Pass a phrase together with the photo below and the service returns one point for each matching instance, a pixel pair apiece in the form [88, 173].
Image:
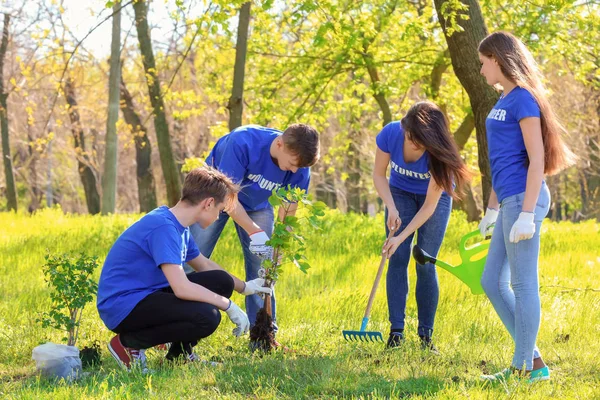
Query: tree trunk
[378, 92]
[170, 173]
[353, 182]
[236, 104]
[437, 72]
[34, 190]
[88, 178]
[465, 62]
[11, 191]
[469, 202]
[49, 191]
[593, 173]
[143, 153]
[109, 178]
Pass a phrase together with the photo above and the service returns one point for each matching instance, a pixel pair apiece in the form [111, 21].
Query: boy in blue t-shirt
[260, 160]
[144, 295]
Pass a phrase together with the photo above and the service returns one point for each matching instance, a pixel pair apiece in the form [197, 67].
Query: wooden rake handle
[378, 276]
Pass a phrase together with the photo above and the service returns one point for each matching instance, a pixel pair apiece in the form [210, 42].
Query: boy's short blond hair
[204, 182]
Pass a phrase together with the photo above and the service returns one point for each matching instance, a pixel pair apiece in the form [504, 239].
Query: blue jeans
[516, 265]
[206, 239]
[429, 238]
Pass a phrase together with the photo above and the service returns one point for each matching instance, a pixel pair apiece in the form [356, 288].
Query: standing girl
[426, 167]
[524, 143]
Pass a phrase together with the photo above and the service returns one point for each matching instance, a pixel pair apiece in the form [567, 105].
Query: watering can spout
[471, 267]
[422, 257]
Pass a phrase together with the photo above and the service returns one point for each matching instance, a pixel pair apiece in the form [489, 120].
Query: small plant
[289, 246]
[72, 287]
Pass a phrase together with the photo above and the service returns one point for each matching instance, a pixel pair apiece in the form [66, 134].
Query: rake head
[363, 336]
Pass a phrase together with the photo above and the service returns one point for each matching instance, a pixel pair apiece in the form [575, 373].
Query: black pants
[161, 317]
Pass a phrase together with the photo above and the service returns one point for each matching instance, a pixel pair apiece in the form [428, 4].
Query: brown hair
[204, 182]
[302, 141]
[518, 65]
[426, 125]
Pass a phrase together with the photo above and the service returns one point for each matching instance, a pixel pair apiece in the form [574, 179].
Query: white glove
[256, 286]
[258, 246]
[523, 228]
[239, 318]
[487, 221]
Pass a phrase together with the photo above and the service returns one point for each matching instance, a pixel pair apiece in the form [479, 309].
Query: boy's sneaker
[190, 358]
[427, 344]
[193, 357]
[127, 357]
[395, 339]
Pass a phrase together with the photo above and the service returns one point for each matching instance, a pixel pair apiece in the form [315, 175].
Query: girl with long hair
[524, 144]
[426, 169]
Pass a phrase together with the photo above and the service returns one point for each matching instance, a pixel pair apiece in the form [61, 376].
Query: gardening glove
[258, 246]
[523, 228]
[256, 286]
[239, 318]
[393, 219]
[487, 221]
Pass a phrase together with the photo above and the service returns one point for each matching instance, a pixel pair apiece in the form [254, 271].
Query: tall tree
[143, 152]
[165, 150]
[236, 101]
[11, 192]
[109, 178]
[86, 174]
[464, 27]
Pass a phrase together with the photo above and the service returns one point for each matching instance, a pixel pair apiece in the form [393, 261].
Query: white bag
[57, 361]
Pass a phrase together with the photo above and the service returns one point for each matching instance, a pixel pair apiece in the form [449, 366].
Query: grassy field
[313, 310]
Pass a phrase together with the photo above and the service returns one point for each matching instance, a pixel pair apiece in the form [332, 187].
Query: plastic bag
[57, 361]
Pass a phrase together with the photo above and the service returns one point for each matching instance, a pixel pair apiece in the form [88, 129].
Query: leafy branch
[287, 240]
[72, 287]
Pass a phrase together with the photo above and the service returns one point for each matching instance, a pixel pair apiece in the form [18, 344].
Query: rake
[363, 335]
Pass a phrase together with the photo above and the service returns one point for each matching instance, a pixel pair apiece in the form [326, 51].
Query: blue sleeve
[383, 138]
[164, 244]
[192, 249]
[526, 107]
[300, 179]
[234, 160]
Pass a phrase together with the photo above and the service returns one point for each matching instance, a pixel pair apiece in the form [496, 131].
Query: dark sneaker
[126, 357]
[194, 358]
[395, 339]
[427, 344]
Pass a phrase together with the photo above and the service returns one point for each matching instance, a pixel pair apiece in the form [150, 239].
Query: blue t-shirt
[245, 156]
[132, 271]
[412, 177]
[508, 155]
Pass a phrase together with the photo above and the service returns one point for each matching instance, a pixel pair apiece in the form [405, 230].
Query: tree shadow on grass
[313, 376]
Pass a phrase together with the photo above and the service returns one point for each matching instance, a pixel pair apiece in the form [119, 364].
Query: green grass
[313, 310]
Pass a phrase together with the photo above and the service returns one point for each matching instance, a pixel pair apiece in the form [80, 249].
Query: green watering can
[473, 261]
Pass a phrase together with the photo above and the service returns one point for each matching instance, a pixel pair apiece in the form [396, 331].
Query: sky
[82, 15]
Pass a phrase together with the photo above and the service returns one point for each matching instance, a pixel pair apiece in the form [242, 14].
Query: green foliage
[72, 287]
[192, 163]
[287, 240]
[454, 11]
